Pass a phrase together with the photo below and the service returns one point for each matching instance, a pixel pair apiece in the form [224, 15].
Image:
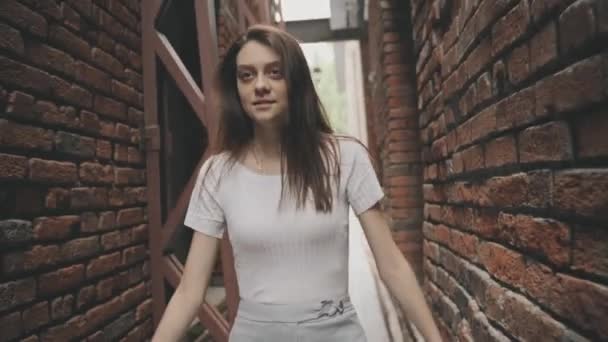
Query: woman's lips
[263, 102]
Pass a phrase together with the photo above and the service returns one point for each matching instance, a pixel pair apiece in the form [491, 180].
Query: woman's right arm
[189, 295]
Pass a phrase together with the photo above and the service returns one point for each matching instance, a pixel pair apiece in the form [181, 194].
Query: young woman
[281, 184]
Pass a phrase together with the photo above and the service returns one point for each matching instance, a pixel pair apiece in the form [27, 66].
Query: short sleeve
[363, 189]
[204, 212]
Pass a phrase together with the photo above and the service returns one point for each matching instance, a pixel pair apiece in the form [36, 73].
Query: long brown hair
[309, 156]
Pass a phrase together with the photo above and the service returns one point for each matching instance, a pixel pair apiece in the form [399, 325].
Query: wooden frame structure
[157, 48]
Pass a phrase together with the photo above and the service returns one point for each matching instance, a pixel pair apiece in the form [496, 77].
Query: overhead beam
[318, 30]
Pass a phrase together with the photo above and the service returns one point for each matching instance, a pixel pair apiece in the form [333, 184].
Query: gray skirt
[327, 321]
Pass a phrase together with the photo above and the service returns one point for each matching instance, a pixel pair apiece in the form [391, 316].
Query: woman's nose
[261, 83]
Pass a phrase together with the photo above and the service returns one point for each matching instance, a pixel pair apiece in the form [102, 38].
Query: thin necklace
[258, 161]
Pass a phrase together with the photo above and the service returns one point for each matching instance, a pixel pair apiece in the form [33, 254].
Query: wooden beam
[180, 74]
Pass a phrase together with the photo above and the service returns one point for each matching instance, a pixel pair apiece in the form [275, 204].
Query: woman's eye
[276, 73]
[245, 75]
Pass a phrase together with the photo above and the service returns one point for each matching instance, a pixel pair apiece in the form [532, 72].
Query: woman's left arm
[397, 273]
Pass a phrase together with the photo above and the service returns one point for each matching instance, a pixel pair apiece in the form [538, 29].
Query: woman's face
[261, 83]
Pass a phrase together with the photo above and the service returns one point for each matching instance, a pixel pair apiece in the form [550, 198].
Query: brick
[501, 151]
[466, 103]
[17, 292]
[576, 26]
[126, 93]
[93, 173]
[103, 264]
[61, 280]
[511, 27]
[590, 251]
[81, 248]
[107, 62]
[483, 123]
[48, 113]
[107, 287]
[49, 171]
[48, 8]
[543, 47]
[478, 59]
[89, 122]
[134, 254]
[55, 228]
[582, 191]
[463, 134]
[12, 326]
[30, 260]
[103, 150]
[35, 316]
[516, 110]
[473, 158]
[120, 326]
[71, 17]
[504, 191]
[24, 18]
[518, 64]
[540, 9]
[584, 302]
[128, 57]
[81, 198]
[86, 296]
[590, 132]
[139, 233]
[92, 77]
[109, 107]
[61, 307]
[103, 312]
[75, 145]
[107, 220]
[579, 85]
[128, 176]
[548, 142]
[20, 104]
[116, 239]
[49, 58]
[121, 153]
[57, 198]
[69, 330]
[133, 79]
[123, 132]
[69, 42]
[25, 137]
[537, 324]
[108, 129]
[11, 39]
[540, 236]
[143, 310]
[15, 232]
[72, 93]
[12, 167]
[134, 295]
[484, 88]
[135, 156]
[129, 217]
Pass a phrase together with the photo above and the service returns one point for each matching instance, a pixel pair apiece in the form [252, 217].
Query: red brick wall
[392, 121]
[513, 116]
[72, 179]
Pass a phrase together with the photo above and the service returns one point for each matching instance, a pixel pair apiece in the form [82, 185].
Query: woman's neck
[267, 140]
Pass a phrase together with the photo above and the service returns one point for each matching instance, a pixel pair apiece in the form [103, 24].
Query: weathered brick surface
[71, 89]
[510, 111]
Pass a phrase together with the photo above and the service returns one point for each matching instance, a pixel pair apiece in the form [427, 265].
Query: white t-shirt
[283, 255]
